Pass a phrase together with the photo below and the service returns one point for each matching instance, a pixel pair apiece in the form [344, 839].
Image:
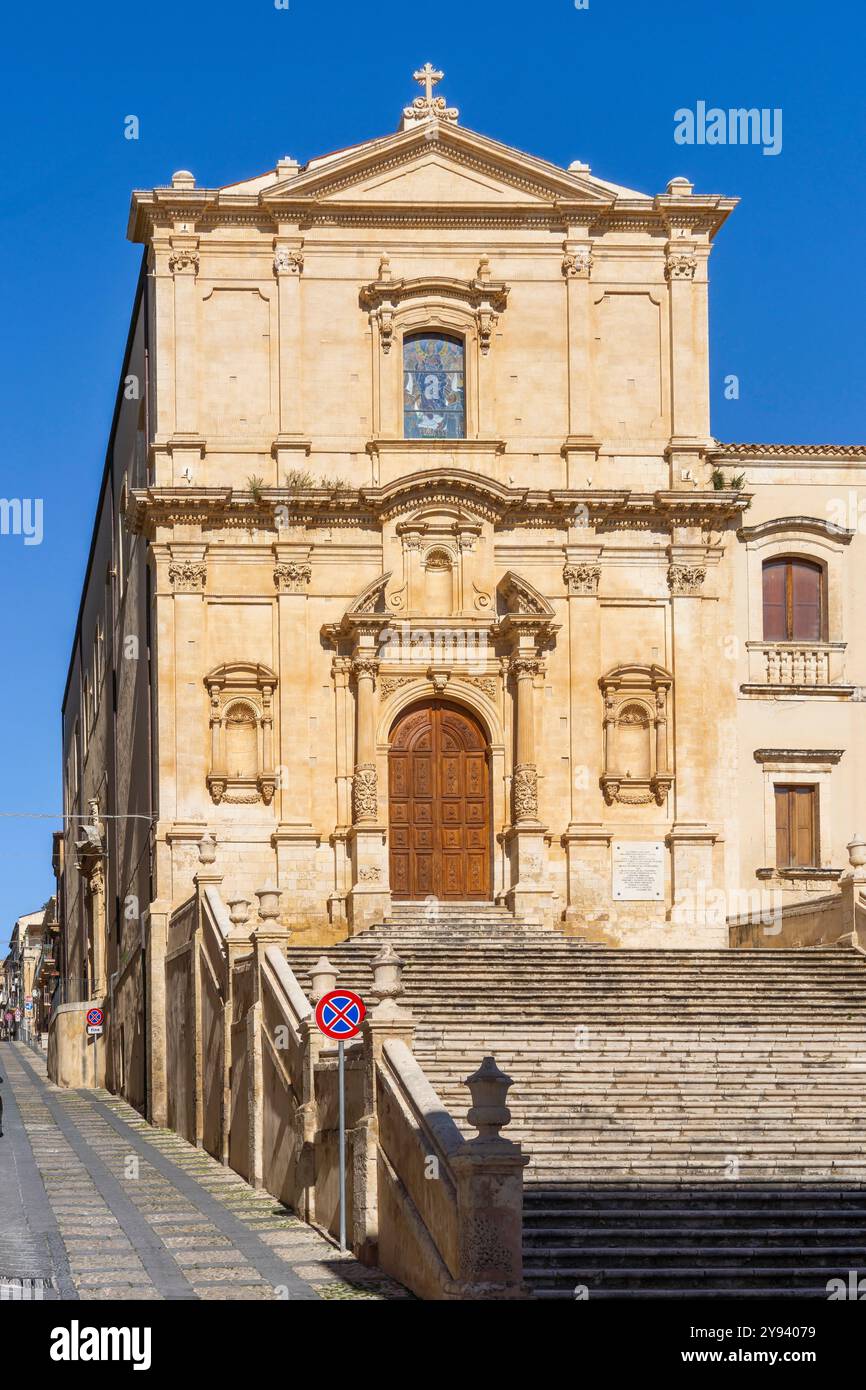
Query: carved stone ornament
[680, 265]
[389, 684]
[577, 264]
[288, 260]
[581, 578]
[292, 576]
[370, 874]
[686, 580]
[185, 259]
[482, 300]
[524, 792]
[429, 107]
[365, 793]
[187, 576]
[637, 754]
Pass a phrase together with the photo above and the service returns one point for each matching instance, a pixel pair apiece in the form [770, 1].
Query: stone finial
[239, 911]
[182, 178]
[680, 187]
[269, 902]
[207, 848]
[387, 974]
[856, 848]
[488, 1087]
[324, 978]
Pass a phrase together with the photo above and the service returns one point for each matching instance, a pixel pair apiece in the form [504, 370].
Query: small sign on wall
[638, 871]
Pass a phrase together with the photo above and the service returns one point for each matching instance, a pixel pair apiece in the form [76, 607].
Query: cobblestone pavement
[104, 1206]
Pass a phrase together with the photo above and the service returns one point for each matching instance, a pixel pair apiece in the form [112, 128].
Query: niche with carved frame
[241, 734]
[638, 767]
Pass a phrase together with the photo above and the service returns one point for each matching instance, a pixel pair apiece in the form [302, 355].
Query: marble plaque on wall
[638, 871]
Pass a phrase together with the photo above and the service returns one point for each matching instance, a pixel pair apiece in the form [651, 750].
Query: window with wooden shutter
[793, 601]
[796, 827]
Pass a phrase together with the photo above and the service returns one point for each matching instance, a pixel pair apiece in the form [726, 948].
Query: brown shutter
[775, 612]
[804, 826]
[783, 838]
[805, 601]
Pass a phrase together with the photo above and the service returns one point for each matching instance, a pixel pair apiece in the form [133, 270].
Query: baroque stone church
[419, 576]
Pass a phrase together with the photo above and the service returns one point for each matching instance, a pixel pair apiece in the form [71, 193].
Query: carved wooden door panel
[439, 806]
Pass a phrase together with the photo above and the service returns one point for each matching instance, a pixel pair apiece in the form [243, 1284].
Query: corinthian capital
[680, 265]
[187, 576]
[184, 258]
[685, 580]
[292, 577]
[581, 579]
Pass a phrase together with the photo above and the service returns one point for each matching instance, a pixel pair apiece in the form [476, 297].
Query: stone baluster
[324, 978]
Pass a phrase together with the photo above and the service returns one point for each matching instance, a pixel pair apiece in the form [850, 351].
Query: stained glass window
[434, 398]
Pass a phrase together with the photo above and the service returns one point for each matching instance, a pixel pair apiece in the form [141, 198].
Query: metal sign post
[341, 1066]
[339, 1015]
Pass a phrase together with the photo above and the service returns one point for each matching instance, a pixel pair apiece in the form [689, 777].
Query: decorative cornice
[483, 496]
[799, 755]
[482, 298]
[782, 525]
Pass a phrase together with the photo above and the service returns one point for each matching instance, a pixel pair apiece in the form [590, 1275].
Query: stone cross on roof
[428, 77]
[428, 107]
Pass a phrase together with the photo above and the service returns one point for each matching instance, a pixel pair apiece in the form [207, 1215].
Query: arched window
[793, 601]
[434, 390]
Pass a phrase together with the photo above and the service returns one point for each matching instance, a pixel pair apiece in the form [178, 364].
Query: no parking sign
[95, 1021]
[339, 1014]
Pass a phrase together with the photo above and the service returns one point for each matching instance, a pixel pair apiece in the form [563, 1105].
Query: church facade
[428, 580]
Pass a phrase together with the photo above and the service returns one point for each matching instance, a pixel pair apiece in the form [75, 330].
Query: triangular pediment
[438, 164]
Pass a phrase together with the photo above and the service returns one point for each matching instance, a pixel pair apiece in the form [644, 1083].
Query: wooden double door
[439, 805]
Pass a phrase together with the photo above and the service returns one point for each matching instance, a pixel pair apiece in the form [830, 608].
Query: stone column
[685, 270]
[157, 942]
[581, 447]
[295, 840]
[96, 887]
[530, 895]
[369, 899]
[290, 449]
[587, 843]
[692, 839]
[341, 670]
[187, 573]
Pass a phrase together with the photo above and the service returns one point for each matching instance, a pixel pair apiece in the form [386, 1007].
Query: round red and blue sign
[340, 1014]
[95, 1018]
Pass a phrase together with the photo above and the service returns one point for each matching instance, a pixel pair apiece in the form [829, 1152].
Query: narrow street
[96, 1204]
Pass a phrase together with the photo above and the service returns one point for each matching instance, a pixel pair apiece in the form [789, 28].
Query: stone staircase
[694, 1119]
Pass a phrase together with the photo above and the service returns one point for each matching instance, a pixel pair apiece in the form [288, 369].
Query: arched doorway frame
[462, 694]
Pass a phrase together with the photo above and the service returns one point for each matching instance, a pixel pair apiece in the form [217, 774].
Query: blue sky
[224, 89]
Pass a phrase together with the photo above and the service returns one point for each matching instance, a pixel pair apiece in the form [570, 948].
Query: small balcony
[797, 667]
